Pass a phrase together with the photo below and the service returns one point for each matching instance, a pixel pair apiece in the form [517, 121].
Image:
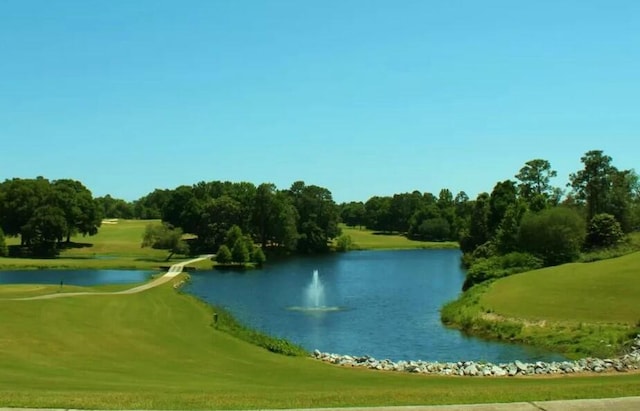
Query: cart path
[174, 270]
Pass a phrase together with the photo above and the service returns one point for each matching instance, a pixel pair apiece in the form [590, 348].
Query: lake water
[379, 303]
[74, 277]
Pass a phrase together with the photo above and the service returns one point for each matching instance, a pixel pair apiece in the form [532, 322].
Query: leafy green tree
[239, 252]
[435, 229]
[555, 235]
[624, 193]
[353, 213]
[604, 231]
[164, 237]
[46, 228]
[502, 197]
[223, 256]
[318, 217]
[258, 257]
[478, 232]
[592, 184]
[535, 178]
[19, 199]
[506, 239]
[115, 208]
[81, 211]
[378, 213]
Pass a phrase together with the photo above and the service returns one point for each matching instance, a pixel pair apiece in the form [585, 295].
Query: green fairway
[581, 309]
[115, 246]
[158, 350]
[364, 239]
[604, 291]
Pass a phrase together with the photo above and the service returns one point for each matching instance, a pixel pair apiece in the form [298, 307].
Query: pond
[74, 277]
[384, 304]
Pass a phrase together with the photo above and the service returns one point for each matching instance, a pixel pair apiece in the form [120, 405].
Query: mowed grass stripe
[605, 291]
[158, 350]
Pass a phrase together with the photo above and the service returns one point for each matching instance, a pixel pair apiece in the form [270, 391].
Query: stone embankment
[627, 362]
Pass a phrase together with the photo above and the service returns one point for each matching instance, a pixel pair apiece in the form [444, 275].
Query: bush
[555, 235]
[604, 231]
[344, 243]
[491, 268]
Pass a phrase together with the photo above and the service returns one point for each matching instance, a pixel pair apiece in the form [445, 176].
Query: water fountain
[314, 301]
[315, 293]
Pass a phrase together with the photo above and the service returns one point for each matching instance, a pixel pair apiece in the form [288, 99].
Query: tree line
[523, 222]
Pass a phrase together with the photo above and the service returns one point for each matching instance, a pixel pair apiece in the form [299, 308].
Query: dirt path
[174, 270]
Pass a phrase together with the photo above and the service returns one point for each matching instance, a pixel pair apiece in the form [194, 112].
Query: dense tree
[223, 256]
[258, 257]
[535, 178]
[150, 206]
[353, 214]
[506, 239]
[592, 185]
[502, 197]
[555, 235]
[46, 228]
[478, 232]
[115, 208]
[81, 212]
[318, 217]
[239, 252]
[19, 199]
[604, 231]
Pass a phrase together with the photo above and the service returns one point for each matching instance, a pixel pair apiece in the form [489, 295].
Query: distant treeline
[526, 222]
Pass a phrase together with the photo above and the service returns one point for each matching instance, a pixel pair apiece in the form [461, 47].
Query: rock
[471, 370]
[521, 366]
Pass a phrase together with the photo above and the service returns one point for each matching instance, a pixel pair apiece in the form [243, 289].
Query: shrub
[555, 235]
[491, 268]
[344, 243]
[604, 231]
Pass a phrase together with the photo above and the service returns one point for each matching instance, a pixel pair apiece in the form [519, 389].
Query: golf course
[159, 349]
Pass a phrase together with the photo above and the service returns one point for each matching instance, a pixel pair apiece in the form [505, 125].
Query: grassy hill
[158, 350]
[580, 308]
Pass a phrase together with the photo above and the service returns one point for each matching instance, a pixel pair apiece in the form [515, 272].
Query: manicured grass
[371, 240]
[603, 291]
[581, 309]
[159, 350]
[115, 246]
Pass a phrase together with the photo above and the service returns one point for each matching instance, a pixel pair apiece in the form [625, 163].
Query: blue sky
[362, 97]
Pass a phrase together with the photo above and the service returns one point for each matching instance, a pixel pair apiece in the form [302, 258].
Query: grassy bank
[159, 350]
[580, 309]
[364, 239]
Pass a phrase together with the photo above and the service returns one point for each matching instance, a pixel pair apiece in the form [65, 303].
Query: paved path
[174, 270]
[607, 404]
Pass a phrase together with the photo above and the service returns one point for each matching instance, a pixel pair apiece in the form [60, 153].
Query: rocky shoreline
[624, 363]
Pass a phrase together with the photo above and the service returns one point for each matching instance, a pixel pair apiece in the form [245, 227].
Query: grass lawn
[581, 309]
[604, 291]
[158, 350]
[371, 240]
[115, 246]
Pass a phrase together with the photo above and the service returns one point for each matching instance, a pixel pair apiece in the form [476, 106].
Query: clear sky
[363, 97]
